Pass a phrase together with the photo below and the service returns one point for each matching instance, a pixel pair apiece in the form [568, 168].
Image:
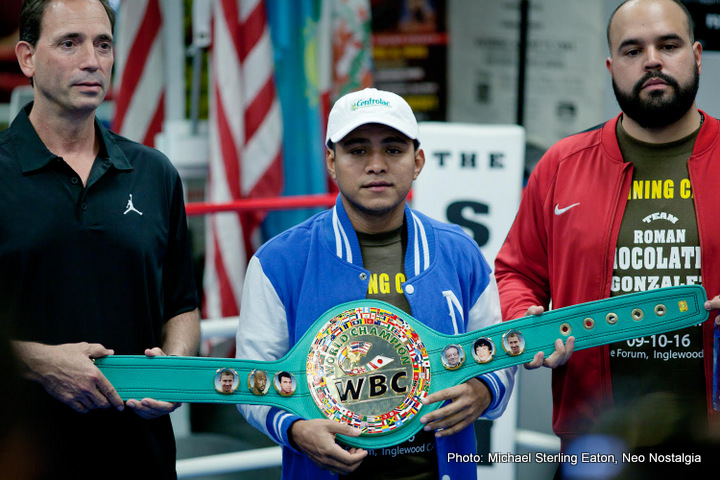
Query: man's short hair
[282, 375]
[31, 16]
[688, 17]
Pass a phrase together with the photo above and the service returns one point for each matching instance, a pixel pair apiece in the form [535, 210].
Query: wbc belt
[370, 365]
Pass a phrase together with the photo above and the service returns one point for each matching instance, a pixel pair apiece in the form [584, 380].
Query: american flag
[352, 350]
[139, 89]
[245, 133]
[361, 347]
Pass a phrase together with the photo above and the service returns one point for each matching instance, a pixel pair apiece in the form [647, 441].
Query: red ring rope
[266, 203]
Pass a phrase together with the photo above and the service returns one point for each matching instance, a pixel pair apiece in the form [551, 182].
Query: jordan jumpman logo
[130, 207]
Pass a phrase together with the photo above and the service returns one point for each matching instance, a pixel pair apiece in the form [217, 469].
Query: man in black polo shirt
[94, 253]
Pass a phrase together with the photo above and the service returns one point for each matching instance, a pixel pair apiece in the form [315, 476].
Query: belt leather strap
[368, 364]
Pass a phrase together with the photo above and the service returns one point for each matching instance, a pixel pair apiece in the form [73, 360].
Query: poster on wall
[565, 76]
[410, 53]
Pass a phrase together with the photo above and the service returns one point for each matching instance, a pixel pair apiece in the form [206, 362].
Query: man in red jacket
[626, 206]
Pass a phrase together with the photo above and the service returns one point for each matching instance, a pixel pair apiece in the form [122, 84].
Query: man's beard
[658, 112]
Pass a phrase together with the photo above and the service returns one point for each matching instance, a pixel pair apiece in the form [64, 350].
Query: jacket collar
[708, 135]
[705, 140]
[34, 155]
[420, 233]
[610, 141]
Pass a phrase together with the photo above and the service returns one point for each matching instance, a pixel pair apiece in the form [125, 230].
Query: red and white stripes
[139, 90]
[245, 132]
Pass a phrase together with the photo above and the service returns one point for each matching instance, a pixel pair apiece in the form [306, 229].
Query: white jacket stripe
[420, 246]
[341, 238]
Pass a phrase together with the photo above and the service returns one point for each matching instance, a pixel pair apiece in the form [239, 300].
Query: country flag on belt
[359, 347]
[353, 353]
[139, 84]
[245, 133]
[378, 362]
[375, 364]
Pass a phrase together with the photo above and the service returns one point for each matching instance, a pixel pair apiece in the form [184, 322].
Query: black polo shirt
[108, 262]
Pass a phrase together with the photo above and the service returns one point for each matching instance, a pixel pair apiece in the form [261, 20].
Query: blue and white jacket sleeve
[263, 335]
[485, 312]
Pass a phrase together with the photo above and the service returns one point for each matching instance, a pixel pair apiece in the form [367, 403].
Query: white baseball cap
[370, 106]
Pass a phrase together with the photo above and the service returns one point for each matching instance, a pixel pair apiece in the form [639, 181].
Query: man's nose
[653, 60]
[90, 57]
[376, 163]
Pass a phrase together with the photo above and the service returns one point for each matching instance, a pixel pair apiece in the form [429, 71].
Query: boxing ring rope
[226, 328]
[265, 203]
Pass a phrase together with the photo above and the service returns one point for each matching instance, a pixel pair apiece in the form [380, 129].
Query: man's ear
[330, 162]
[25, 54]
[697, 51]
[419, 162]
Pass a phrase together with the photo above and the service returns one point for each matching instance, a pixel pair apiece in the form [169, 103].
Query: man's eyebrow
[68, 36]
[354, 141]
[395, 139]
[636, 41]
[104, 37]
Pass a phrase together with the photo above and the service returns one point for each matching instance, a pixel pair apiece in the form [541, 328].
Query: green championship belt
[370, 365]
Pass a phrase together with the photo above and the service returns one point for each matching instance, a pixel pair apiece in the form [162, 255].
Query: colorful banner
[295, 32]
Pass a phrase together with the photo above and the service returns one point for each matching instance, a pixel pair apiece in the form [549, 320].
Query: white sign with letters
[472, 177]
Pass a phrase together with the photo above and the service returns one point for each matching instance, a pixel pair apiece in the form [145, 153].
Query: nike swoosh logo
[560, 211]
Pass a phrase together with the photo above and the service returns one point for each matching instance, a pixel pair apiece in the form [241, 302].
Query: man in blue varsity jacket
[372, 245]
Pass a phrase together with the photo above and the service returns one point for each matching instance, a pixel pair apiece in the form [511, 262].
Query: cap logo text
[369, 102]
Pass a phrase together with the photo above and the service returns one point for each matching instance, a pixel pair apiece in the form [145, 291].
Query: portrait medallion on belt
[226, 381]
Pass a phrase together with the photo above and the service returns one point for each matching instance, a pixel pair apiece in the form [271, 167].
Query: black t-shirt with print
[658, 246]
[415, 459]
